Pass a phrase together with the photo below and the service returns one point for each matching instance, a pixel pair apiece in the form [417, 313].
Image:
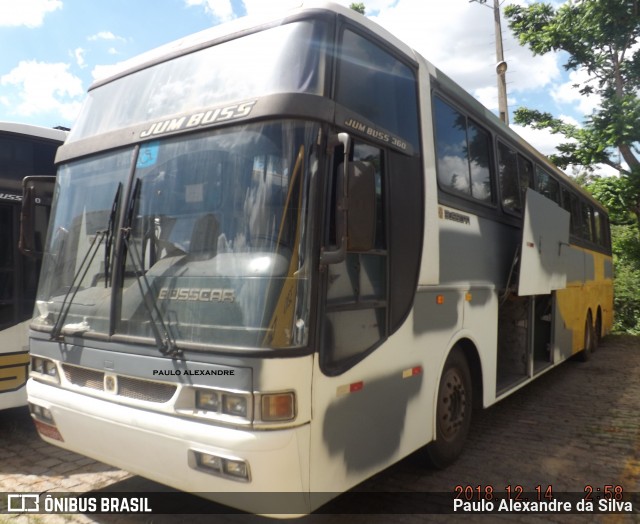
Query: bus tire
[589, 340]
[453, 411]
[598, 329]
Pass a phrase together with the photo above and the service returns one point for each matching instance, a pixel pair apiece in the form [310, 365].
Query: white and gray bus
[285, 254]
[25, 151]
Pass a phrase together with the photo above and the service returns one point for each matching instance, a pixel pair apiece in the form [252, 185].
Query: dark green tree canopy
[601, 37]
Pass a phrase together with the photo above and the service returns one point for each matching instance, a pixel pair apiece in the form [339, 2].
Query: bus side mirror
[361, 211]
[355, 196]
[37, 195]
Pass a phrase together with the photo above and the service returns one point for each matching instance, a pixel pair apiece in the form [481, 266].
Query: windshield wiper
[108, 243]
[82, 271]
[83, 268]
[164, 339]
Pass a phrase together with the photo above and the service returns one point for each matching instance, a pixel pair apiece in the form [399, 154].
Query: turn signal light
[278, 406]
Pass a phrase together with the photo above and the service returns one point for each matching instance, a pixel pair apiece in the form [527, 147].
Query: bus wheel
[598, 328]
[589, 339]
[453, 416]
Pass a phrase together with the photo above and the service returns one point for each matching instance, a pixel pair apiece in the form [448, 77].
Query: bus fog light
[210, 462]
[46, 415]
[234, 405]
[236, 468]
[278, 406]
[230, 468]
[207, 400]
[41, 414]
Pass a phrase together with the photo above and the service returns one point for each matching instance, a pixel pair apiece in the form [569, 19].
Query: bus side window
[587, 222]
[571, 204]
[525, 177]
[463, 151]
[598, 228]
[547, 186]
[509, 181]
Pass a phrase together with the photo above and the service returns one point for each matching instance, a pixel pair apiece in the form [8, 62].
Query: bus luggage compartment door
[545, 238]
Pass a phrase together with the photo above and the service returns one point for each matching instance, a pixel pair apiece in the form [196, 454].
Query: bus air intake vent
[128, 387]
[84, 378]
[145, 389]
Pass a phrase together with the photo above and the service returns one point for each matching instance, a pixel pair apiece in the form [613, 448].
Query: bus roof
[247, 24]
[46, 133]
[237, 27]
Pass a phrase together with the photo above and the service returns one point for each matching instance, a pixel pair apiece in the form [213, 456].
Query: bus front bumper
[185, 454]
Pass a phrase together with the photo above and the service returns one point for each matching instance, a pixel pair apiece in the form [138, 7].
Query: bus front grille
[128, 387]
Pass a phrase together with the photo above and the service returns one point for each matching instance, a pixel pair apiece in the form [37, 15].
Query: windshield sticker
[148, 155]
[194, 193]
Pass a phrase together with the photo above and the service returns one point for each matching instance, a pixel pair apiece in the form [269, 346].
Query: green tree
[359, 7]
[614, 192]
[601, 37]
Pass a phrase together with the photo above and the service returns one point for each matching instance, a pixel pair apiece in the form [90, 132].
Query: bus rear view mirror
[37, 194]
[361, 212]
[355, 209]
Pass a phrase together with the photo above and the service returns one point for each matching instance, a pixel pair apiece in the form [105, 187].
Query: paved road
[576, 426]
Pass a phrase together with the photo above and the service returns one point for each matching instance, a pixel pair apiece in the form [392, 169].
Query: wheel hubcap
[452, 405]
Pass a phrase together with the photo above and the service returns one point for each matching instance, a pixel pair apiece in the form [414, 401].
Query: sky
[52, 50]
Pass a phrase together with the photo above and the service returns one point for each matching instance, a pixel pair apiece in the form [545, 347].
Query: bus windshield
[202, 236]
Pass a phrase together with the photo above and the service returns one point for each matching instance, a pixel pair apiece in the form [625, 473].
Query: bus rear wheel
[453, 412]
[589, 339]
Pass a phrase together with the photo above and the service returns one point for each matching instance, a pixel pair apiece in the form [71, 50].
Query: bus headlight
[212, 401]
[278, 406]
[50, 369]
[37, 364]
[207, 400]
[234, 405]
[44, 369]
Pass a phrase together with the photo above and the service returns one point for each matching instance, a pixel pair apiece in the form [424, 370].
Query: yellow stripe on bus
[14, 369]
[14, 359]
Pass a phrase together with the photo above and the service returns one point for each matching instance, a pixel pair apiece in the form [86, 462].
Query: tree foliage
[613, 192]
[601, 37]
[359, 7]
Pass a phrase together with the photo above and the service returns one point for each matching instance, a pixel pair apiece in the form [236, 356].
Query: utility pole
[501, 65]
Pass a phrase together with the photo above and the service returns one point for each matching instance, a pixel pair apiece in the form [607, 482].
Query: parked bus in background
[285, 254]
[25, 150]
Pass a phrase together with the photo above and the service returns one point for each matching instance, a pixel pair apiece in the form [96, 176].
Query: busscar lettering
[212, 116]
[198, 294]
